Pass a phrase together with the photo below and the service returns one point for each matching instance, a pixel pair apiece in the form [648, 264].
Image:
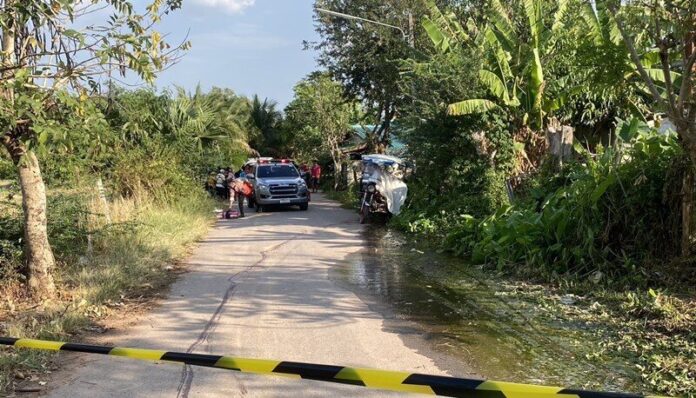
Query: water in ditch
[477, 318]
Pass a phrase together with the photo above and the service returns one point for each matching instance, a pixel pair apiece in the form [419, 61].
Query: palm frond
[494, 84]
[472, 106]
[559, 16]
[443, 29]
[590, 18]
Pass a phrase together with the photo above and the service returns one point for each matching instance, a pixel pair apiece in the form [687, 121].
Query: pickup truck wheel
[251, 203]
[259, 208]
[304, 206]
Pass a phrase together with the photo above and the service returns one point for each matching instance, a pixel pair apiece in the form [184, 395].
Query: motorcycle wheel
[364, 214]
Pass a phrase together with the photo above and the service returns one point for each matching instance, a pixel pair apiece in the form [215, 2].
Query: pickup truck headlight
[263, 188]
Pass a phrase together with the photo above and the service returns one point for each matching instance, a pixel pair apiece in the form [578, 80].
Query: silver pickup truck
[278, 183]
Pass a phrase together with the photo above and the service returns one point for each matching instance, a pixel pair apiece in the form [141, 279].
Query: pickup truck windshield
[276, 171]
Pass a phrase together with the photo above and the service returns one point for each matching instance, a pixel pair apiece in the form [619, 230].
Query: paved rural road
[257, 287]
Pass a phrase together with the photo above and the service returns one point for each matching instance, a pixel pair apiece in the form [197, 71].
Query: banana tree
[514, 74]
[603, 30]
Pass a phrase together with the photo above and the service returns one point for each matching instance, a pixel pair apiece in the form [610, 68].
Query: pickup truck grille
[283, 191]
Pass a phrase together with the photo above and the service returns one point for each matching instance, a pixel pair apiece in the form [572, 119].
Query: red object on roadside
[242, 187]
[247, 189]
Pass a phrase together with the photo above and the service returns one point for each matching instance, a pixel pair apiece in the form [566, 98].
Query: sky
[250, 46]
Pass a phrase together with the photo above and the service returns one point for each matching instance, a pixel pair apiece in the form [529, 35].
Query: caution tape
[370, 378]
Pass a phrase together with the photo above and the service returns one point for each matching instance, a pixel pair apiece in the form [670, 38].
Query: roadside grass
[650, 334]
[347, 198]
[650, 326]
[654, 332]
[125, 261]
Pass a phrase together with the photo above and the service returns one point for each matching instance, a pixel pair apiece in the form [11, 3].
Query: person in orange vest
[242, 189]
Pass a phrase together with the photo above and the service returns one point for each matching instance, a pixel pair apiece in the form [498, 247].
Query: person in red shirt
[316, 176]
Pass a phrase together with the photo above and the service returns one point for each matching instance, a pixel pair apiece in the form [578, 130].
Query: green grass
[128, 261]
[347, 198]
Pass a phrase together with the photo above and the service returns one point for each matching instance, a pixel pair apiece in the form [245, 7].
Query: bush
[158, 174]
[7, 169]
[440, 214]
[614, 215]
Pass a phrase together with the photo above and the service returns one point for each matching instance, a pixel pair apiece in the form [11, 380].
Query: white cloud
[231, 6]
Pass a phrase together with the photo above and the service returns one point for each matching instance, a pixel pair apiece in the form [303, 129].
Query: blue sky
[250, 46]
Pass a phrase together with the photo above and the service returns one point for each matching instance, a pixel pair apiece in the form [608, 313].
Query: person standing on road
[316, 176]
[220, 184]
[242, 189]
[229, 188]
[228, 173]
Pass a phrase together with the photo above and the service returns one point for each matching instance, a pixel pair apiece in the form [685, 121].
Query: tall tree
[668, 30]
[320, 118]
[514, 45]
[47, 46]
[268, 137]
[366, 58]
[516, 40]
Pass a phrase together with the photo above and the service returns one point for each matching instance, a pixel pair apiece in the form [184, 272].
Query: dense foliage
[477, 100]
[149, 145]
[610, 217]
[319, 117]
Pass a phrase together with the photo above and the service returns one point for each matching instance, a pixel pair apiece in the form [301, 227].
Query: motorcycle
[382, 190]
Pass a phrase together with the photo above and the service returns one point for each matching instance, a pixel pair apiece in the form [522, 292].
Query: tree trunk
[37, 250]
[337, 173]
[687, 209]
[559, 140]
[684, 130]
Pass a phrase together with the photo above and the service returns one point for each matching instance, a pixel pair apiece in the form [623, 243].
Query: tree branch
[686, 79]
[664, 45]
[630, 45]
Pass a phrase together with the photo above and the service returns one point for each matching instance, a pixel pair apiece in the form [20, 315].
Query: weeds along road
[257, 287]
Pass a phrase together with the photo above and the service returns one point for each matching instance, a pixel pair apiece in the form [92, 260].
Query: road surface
[258, 287]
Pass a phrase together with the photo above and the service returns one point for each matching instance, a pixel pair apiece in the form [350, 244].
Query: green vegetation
[49, 71]
[611, 219]
[534, 128]
[538, 128]
[319, 117]
[116, 246]
[102, 267]
[115, 249]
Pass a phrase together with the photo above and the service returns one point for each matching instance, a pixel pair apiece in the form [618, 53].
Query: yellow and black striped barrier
[370, 378]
